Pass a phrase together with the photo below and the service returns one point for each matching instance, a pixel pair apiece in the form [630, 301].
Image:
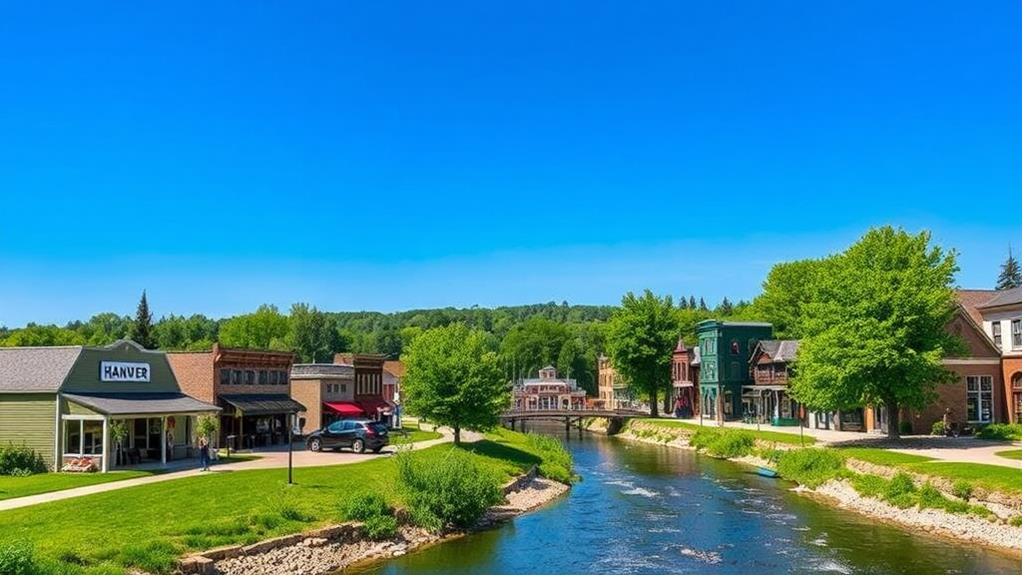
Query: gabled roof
[1000, 298]
[36, 369]
[778, 350]
[972, 299]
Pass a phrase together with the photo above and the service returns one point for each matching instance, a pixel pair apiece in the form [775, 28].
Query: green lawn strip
[882, 456]
[1010, 454]
[770, 436]
[1006, 480]
[409, 434]
[11, 487]
[149, 525]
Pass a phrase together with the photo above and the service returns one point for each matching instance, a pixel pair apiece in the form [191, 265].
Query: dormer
[548, 372]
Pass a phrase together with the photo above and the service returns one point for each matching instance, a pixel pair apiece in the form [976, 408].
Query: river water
[648, 509]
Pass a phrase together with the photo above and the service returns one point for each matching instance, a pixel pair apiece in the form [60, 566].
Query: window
[250, 377]
[225, 377]
[996, 328]
[83, 437]
[236, 376]
[735, 348]
[273, 378]
[979, 398]
[282, 377]
[336, 427]
[1016, 334]
[344, 388]
[264, 377]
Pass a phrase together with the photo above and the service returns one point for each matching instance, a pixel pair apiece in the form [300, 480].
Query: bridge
[568, 416]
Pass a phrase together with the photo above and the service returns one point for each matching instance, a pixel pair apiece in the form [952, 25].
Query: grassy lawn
[1010, 454]
[147, 526]
[11, 487]
[774, 436]
[990, 477]
[413, 435]
[882, 456]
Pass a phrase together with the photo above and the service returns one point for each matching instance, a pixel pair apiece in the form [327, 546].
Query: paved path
[266, 460]
[963, 449]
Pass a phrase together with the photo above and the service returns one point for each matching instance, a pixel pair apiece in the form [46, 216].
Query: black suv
[358, 434]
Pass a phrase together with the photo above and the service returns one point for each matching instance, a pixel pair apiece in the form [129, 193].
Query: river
[646, 509]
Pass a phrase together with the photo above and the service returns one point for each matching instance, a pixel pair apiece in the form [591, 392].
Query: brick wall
[1011, 368]
[194, 373]
[308, 392]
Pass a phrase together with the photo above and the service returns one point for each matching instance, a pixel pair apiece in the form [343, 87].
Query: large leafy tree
[141, 330]
[641, 337]
[1011, 273]
[533, 344]
[785, 293]
[873, 325]
[453, 378]
[42, 335]
[266, 328]
[311, 335]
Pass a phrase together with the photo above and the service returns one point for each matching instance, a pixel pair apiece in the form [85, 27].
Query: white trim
[976, 361]
[84, 417]
[106, 445]
[56, 438]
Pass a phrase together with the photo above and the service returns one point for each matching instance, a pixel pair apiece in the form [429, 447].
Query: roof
[1005, 297]
[263, 403]
[972, 299]
[680, 348]
[395, 367]
[36, 369]
[779, 350]
[321, 370]
[141, 403]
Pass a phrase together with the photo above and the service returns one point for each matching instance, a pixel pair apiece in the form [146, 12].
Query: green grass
[990, 477]
[409, 434]
[810, 467]
[882, 456]
[769, 436]
[11, 487]
[1010, 454]
[194, 513]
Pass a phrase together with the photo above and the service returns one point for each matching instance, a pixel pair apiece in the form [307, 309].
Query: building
[332, 391]
[767, 398]
[252, 387]
[63, 401]
[612, 389]
[1000, 315]
[683, 399]
[725, 348]
[548, 392]
[393, 372]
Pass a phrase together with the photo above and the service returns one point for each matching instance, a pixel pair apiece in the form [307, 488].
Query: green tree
[266, 328]
[310, 334]
[42, 335]
[726, 308]
[533, 344]
[1011, 274]
[873, 326]
[786, 292]
[141, 331]
[641, 337]
[453, 378]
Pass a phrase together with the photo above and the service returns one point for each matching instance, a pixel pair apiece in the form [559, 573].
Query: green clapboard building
[61, 402]
[725, 348]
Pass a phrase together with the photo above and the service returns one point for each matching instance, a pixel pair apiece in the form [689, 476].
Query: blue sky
[405, 154]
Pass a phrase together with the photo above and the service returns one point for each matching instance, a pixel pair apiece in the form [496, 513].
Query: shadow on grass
[503, 452]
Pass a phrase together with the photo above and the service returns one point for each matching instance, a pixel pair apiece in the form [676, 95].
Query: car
[358, 434]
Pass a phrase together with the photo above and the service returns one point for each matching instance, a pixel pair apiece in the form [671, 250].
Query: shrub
[905, 427]
[980, 510]
[930, 497]
[810, 467]
[869, 485]
[380, 527]
[364, 506]
[962, 489]
[448, 491]
[937, 428]
[17, 559]
[20, 460]
[1006, 431]
[1015, 521]
[723, 443]
[557, 463]
[900, 491]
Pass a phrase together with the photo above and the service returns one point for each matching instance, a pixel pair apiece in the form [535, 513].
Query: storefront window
[92, 437]
[72, 436]
[979, 398]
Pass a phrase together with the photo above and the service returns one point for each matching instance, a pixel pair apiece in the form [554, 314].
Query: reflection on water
[647, 509]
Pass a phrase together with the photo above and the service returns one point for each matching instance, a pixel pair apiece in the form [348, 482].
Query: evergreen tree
[142, 329]
[1011, 275]
[691, 302]
[682, 303]
[702, 304]
[726, 308]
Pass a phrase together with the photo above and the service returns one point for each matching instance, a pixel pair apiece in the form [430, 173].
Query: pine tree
[682, 303]
[1011, 275]
[702, 304]
[691, 302]
[726, 308]
[142, 328]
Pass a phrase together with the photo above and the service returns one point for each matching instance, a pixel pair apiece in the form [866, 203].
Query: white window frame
[1016, 334]
[81, 419]
[995, 332]
[974, 387]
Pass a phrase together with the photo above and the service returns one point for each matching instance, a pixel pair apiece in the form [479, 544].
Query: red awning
[345, 408]
[374, 406]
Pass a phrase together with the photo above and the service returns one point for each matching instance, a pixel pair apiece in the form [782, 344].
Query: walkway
[276, 458]
[957, 449]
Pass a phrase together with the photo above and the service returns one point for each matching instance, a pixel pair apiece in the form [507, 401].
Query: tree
[641, 337]
[874, 326]
[702, 305]
[266, 328]
[453, 378]
[533, 344]
[726, 308]
[692, 302]
[1011, 274]
[785, 293]
[141, 331]
[310, 334]
[42, 335]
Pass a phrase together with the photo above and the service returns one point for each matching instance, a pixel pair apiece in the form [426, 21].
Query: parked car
[358, 434]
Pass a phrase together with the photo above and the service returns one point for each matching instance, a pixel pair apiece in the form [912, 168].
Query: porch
[769, 404]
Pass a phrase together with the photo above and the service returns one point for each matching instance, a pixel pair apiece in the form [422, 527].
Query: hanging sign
[124, 371]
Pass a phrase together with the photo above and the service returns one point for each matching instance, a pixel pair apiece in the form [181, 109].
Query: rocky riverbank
[335, 548]
[959, 526]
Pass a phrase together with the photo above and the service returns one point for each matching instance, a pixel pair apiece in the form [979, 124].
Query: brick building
[1000, 315]
[683, 400]
[351, 387]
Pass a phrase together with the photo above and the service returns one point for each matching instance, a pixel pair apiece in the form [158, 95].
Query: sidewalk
[266, 460]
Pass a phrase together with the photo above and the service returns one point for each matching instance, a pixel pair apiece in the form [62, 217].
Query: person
[949, 423]
[204, 453]
[679, 406]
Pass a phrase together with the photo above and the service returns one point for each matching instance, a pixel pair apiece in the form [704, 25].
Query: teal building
[725, 348]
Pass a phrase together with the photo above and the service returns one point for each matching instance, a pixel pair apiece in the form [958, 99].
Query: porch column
[163, 440]
[106, 444]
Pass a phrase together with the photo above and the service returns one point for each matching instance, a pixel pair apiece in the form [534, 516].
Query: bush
[557, 463]
[723, 443]
[900, 491]
[962, 489]
[869, 485]
[380, 527]
[905, 427]
[930, 497]
[1015, 521]
[1004, 431]
[810, 467]
[447, 491]
[364, 506]
[937, 428]
[20, 460]
[17, 559]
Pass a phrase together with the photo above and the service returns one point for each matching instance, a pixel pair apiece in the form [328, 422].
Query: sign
[124, 371]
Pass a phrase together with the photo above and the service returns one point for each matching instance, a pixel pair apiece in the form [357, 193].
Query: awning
[263, 404]
[345, 408]
[141, 403]
[374, 406]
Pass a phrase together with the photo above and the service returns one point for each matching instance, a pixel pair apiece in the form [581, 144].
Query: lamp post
[290, 449]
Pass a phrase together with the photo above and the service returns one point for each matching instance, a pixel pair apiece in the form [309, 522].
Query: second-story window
[996, 329]
[236, 376]
[250, 377]
[264, 377]
[225, 377]
[1016, 333]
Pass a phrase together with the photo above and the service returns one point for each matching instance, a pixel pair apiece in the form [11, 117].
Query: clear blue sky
[393, 155]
